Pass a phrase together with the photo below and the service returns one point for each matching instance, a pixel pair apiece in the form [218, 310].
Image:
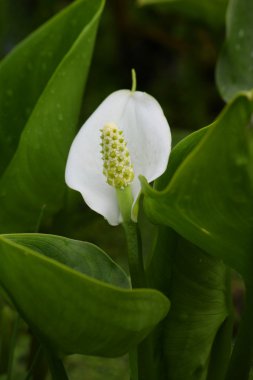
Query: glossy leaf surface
[76, 287]
[177, 156]
[209, 198]
[41, 88]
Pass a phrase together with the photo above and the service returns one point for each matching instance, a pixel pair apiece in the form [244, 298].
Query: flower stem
[141, 359]
[135, 260]
[125, 201]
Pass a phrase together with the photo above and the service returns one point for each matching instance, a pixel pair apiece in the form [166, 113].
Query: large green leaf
[196, 284]
[212, 12]
[178, 155]
[209, 199]
[235, 65]
[67, 291]
[41, 87]
[199, 310]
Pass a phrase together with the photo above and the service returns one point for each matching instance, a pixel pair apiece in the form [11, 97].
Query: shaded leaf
[196, 284]
[212, 12]
[198, 299]
[41, 87]
[86, 314]
[235, 65]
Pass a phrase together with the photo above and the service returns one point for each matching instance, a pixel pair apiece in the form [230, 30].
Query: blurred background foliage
[173, 48]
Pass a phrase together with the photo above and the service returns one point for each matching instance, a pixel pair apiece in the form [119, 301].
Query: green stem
[125, 201]
[240, 363]
[135, 259]
[141, 360]
[56, 367]
[12, 347]
[134, 83]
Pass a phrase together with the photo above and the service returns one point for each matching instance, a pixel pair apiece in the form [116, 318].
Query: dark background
[173, 53]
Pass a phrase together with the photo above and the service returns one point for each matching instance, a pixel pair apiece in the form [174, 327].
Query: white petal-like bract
[148, 138]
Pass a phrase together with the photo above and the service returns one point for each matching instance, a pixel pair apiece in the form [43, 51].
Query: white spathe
[148, 138]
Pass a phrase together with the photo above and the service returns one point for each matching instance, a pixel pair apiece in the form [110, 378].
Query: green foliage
[72, 295]
[235, 65]
[41, 87]
[87, 315]
[197, 286]
[198, 311]
[209, 197]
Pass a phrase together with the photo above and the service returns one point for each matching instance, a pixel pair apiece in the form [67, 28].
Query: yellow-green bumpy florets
[117, 167]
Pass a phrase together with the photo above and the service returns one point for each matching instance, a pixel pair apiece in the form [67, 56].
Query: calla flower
[134, 124]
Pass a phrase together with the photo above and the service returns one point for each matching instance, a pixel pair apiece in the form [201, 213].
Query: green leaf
[178, 154]
[66, 290]
[196, 284]
[198, 311]
[81, 256]
[235, 65]
[212, 12]
[209, 199]
[41, 87]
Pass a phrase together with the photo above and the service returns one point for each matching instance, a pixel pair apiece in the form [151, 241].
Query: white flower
[137, 117]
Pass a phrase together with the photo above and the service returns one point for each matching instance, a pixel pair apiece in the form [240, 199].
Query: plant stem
[56, 367]
[240, 363]
[141, 359]
[12, 347]
[135, 259]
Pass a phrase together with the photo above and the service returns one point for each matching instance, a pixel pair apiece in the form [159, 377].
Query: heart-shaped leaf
[67, 291]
